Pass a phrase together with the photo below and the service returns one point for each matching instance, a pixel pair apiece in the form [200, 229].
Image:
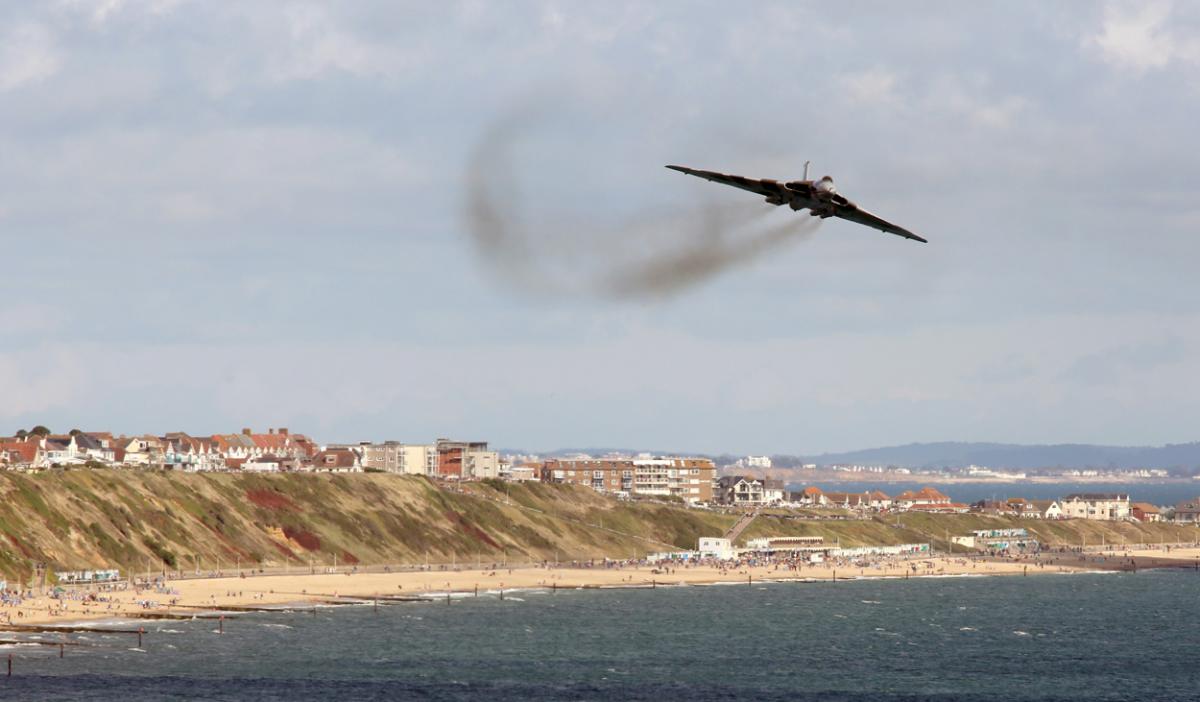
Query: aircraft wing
[754, 185]
[854, 213]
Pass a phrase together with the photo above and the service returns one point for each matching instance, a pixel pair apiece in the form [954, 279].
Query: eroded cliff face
[148, 521]
[145, 521]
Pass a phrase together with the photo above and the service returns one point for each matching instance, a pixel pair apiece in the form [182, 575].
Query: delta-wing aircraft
[819, 197]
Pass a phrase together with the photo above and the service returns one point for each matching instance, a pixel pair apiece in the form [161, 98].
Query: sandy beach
[193, 595]
[184, 597]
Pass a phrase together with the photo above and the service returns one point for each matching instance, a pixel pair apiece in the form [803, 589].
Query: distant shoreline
[232, 595]
[797, 475]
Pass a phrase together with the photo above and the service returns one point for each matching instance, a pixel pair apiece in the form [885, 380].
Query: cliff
[149, 521]
[152, 521]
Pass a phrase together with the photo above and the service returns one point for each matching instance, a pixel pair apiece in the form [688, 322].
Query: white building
[418, 459]
[395, 457]
[1102, 506]
[754, 462]
[480, 465]
[741, 490]
[716, 547]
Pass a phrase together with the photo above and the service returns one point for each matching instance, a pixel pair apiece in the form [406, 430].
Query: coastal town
[744, 524]
[691, 480]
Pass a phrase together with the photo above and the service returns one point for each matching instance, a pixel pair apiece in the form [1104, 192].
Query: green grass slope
[150, 521]
[143, 520]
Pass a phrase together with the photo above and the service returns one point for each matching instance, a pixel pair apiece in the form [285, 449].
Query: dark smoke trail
[642, 256]
[674, 273]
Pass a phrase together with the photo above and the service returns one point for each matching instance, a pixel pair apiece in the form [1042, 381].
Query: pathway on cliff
[737, 529]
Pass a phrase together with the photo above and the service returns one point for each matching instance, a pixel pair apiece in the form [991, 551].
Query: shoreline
[796, 475]
[234, 595]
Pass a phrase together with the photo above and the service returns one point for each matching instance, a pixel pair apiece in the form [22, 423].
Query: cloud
[972, 97]
[39, 380]
[220, 174]
[186, 207]
[255, 206]
[319, 45]
[1000, 114]
[1142, 37]
[873, 86]
[633, 384]
[28, 55]
[1116, 364]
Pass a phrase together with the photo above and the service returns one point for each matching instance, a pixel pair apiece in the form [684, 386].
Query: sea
[1111, 636]
[1156, 493]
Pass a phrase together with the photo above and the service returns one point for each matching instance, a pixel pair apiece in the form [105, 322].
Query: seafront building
[396, 457]
[465, 460]
[1145, 512]
[1092, 505]
[811, 548]
[998, 540]
[690, 479]
[1187, 512]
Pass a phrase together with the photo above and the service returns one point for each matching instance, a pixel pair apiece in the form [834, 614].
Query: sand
[195, 595]
[306, 590]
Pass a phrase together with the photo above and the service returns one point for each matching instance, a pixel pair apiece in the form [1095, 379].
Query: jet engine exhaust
[643, 255]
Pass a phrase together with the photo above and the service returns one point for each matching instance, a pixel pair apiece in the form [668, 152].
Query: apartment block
[687, 478]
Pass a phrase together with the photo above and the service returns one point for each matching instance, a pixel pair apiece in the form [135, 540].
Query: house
[1188, 511]
[1011, 507]
[993, 507]
[139, 451]
[1022, 507]
[282, 443]
[740, 490]
[236, 446]
[270, 463]
[810, 495]
[773, 491]
[927, 496]
[61, 449]
[95, 446]
[183, 452]
[303, 447]
[522, 472]
[337, 460]
[1092, 505]
[25, 455]
[1048, 509]
[877, 499]
[1145, 512]
[847, 500]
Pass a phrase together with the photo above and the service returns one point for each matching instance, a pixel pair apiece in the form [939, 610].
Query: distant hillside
[1185, 457]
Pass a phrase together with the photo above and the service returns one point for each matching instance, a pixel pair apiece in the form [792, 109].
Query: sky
[256, 214]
